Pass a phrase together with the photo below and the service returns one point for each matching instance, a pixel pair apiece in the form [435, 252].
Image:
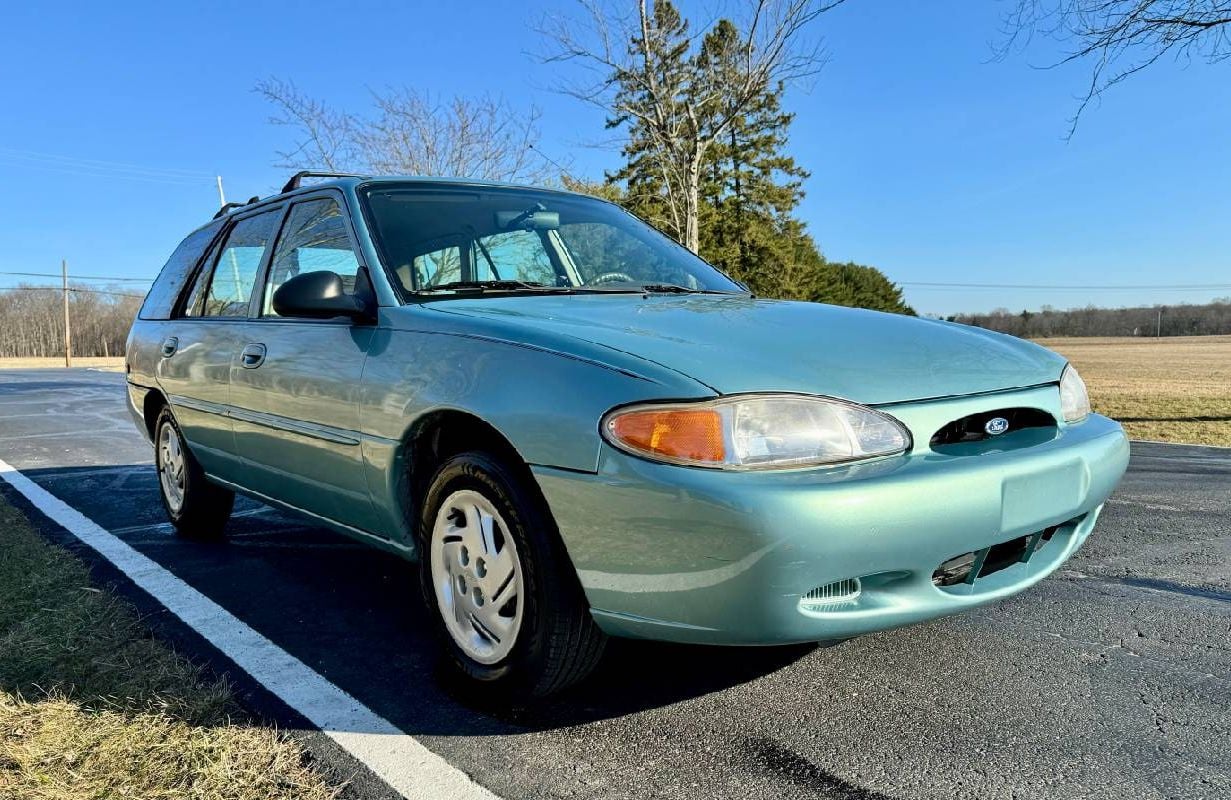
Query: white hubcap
[171, 467]
[477, 576]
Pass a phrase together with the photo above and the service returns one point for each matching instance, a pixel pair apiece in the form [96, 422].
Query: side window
[160, 302]
[195, 300]
[230, 288]
[314, 239]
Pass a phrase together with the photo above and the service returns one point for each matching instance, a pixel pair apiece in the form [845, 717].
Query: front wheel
[506, 600]
[197, 508]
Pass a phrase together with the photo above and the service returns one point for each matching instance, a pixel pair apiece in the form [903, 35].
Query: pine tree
[748, 188]
[752, 187]
[654, 91]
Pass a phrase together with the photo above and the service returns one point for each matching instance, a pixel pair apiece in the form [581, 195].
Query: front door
[295, 385]
[203, 338]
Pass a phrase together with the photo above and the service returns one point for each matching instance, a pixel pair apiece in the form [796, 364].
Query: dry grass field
[1174, 389]
[113, 364]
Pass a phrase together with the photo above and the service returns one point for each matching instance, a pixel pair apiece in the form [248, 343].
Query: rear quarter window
[160, 301]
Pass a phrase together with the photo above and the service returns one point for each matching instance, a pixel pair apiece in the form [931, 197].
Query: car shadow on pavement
[354, 614]
[639, 675]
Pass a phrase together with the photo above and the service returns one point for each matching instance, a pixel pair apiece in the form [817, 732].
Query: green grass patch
[93, 707]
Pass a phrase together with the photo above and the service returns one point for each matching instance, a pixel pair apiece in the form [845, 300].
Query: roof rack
[231, 206]
[226, 208]
[297, 179]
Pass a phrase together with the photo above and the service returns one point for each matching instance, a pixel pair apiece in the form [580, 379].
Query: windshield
[440, 239]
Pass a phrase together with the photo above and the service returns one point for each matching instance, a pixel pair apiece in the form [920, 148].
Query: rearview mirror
[318, 295]
[528, 220]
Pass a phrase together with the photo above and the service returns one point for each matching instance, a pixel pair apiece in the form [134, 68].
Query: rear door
[204, 337]
[295, 387]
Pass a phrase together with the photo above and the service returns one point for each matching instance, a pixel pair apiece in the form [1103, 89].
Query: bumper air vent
[975, 428]
[843, 591]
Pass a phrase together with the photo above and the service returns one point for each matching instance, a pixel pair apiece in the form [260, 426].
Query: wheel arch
[151, 407]
[439, 434]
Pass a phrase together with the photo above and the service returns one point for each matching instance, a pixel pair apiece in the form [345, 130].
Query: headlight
[755, 432]
[1074, 401]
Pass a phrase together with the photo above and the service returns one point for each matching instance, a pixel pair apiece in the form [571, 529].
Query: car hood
[741, 344]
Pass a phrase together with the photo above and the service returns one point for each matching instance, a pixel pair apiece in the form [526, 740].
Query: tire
[197, 508]
[525, 634]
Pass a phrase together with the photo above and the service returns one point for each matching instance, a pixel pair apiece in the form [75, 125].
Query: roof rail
[297, 179]
[231, 206]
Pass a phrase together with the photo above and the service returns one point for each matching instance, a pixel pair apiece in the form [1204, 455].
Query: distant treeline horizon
[1184, 319]
[32, 320]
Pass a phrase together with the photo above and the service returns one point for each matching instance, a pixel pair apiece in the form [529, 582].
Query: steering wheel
[610, 277]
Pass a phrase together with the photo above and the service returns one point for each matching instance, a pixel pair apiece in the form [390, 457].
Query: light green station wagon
[580, 429]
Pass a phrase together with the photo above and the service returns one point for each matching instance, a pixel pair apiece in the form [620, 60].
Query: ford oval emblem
[996, 426]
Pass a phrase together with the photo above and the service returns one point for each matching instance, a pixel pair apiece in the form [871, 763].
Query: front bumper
[694, 555]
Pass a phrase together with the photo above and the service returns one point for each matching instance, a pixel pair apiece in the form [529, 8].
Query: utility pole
[68, 327]
[222, 198]
[1158, 332]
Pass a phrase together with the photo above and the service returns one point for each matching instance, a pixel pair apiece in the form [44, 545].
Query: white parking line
[396, 757]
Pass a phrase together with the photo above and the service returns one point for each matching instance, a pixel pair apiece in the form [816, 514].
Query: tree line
[32, 321]
[1179, 320]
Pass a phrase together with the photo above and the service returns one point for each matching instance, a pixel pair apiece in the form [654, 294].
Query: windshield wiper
[667, 288]
[675, 288]
[497, 286]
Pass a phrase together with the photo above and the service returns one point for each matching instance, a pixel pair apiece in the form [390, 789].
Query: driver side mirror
[318, 295]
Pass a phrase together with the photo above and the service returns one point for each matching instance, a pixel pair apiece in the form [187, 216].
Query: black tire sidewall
[165, 418]
[206, 507]
[533, 532]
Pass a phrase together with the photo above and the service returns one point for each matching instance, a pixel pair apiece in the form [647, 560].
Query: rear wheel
[507, 603]
[196, 507]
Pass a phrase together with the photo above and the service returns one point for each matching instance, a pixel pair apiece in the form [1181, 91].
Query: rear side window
[230, 288]
[196, 295]
[160, 301]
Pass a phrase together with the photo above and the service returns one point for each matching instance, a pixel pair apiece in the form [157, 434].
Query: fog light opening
[959, 569]
[846, 590]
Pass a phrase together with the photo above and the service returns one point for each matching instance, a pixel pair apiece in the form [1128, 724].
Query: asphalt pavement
[1110, 679]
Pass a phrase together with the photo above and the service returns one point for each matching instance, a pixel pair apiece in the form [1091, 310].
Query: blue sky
[928, 159]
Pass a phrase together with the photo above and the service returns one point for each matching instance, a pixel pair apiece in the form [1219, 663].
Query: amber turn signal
[693, 435]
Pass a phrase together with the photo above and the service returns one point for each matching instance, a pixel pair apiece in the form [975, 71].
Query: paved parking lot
[1111, 679]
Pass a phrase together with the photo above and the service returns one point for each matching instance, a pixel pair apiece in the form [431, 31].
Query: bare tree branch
[412, 132]
[1121, 37]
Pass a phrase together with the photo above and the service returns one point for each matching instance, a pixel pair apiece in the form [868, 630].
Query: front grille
[969, 567]
[972, 428]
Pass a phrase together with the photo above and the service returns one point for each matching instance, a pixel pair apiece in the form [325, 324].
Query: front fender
[547, 403]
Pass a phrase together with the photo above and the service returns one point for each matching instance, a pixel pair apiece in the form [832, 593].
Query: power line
[1062, 287]
[71, 289]
[86, 173]
[555, 164]
[98, 164]
[78, 277]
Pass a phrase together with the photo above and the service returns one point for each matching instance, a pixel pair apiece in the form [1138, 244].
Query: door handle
[169, 346]
[252, 356]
